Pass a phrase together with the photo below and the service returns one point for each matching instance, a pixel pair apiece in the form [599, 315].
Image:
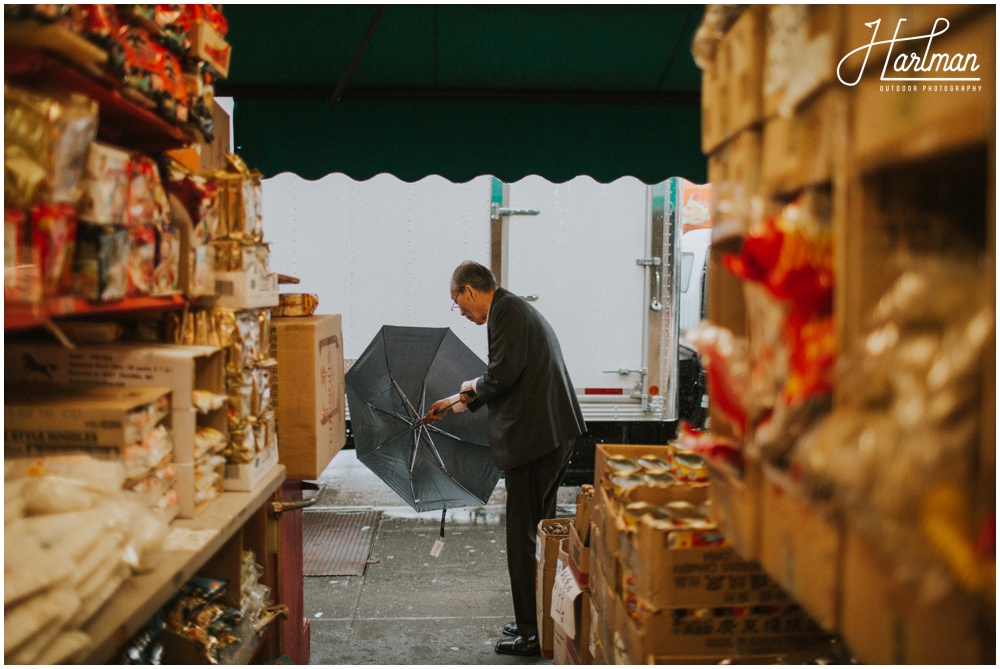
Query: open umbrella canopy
[389, 389]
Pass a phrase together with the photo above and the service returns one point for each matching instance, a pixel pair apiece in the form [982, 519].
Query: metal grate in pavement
[337, 543]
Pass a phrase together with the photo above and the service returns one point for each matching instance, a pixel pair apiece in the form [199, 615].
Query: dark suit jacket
[533, 407]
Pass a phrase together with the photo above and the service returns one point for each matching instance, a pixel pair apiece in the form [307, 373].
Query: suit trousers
[531, 497]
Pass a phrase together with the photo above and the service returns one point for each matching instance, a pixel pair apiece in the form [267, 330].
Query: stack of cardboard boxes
[665, 590]
[571, 609]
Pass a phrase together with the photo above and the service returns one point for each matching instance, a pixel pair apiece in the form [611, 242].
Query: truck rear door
[575, 260]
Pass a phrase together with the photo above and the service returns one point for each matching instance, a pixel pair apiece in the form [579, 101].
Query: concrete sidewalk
[410, 607]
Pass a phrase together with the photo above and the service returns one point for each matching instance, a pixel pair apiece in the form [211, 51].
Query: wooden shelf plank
[24, 316]
[142, 595]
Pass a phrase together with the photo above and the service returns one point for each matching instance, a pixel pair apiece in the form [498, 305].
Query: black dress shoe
[510, 629]
[519, 645]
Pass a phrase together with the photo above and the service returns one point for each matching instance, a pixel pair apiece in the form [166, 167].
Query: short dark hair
[471, 273]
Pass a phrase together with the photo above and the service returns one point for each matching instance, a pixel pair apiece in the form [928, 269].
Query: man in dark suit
[534, 419]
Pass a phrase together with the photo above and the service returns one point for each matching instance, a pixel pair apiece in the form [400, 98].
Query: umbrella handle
[468, 392]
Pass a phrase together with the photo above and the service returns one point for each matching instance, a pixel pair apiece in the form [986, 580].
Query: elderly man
[534, 419]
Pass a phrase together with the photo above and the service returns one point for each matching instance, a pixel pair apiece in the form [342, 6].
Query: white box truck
[618, 269]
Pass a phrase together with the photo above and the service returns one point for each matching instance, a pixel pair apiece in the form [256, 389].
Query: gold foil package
[240, 403]
[261, 390]
[263, 431]
[45, 146]
[240, 191]
[295, 304]
[242, 443]
[241, 257]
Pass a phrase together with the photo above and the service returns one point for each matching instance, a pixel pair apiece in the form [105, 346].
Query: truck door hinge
[496, 211]
[649, 262]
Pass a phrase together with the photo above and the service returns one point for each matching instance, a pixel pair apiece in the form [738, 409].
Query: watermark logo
[921, 64]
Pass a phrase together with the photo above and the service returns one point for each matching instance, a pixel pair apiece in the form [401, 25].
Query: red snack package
[812, 354]
[139, 59]
[100, 23]
[53, 232]
[147, 201]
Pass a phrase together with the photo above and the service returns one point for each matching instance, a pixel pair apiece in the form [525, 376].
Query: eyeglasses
[454, 301]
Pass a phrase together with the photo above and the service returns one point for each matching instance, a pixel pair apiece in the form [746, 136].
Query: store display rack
[53, 58]
[190, 545]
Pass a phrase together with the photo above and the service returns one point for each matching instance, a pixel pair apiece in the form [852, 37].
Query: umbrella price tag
[439, 542]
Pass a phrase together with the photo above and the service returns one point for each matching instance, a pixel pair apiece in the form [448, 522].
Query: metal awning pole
[356, 57]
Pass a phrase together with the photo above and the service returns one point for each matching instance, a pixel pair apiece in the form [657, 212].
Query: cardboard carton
[185, 425]
[246, 290]
[681, 568]
[207, 44]
[308, 392]
[735, 505]
[734, 172]
[62, 419]
[809, 147]
[741, 52]
[571, 616]
[695, 493]
[245, 477]
[184, 484]
[714, 633]
[801, 548]
[887, 622]
[895, 121]
[579, 554]
[182, 368]
[804, 43]
[550, 539]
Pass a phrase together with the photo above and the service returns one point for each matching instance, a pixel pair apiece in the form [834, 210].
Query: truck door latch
[496, 211]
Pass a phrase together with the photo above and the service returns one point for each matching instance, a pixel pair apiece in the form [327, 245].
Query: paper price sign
[565, 590]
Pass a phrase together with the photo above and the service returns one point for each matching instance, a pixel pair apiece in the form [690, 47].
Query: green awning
[466, 90]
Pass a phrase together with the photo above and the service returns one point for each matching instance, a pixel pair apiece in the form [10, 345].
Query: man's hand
[439, 408]
[437, 411]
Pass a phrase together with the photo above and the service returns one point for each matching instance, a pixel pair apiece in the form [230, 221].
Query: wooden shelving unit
[190, 545]
[211, 543]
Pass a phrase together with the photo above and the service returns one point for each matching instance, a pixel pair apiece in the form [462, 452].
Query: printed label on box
[565, 590]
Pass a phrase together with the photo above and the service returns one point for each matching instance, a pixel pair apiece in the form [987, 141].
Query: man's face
[470, 304]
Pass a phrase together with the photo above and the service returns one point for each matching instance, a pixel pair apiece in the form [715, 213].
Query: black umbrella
[392, 385]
